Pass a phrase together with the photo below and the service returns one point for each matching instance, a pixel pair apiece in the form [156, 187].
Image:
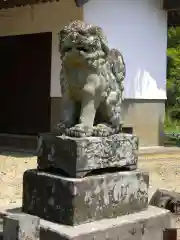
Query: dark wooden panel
[174, 18]
[170, 234]
[25, 83]
[171, 4]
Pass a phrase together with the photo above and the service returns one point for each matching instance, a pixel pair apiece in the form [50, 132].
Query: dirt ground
[12, 166]
[164, 171]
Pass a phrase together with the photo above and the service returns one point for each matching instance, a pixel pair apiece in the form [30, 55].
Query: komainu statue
[92, 78]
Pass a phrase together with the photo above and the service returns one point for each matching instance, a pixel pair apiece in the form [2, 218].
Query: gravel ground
[12, 166]
[164, 172]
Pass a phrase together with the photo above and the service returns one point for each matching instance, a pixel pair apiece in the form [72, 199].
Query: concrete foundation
[146, 116]
[145, 225]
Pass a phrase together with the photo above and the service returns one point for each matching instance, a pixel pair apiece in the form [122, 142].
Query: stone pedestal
[77, 157]
[86, 189]
[145, 225]
[74, 201]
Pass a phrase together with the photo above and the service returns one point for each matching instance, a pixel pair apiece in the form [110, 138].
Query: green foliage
[173, 37]
[171, 126]
[173, 74]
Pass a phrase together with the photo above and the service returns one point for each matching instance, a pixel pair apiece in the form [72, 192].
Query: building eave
[5, 4]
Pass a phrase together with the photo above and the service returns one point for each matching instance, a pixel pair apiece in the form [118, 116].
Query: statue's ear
[94, 30]
[104, 44]
[61, 36]
[97, 31]
[59, 41]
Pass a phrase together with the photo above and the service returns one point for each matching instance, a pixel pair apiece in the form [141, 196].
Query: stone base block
[78, 156]
[73, 201]
[146, 225]
[21, 226]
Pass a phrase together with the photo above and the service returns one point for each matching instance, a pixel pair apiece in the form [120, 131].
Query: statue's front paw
[79, 130]
[102, 130]
[59, 128]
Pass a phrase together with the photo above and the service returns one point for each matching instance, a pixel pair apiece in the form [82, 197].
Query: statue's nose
[74, 37]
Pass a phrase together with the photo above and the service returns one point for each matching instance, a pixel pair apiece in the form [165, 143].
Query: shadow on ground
[14, 210]
[17, 153]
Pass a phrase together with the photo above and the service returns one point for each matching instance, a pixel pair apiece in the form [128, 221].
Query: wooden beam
[16, 3]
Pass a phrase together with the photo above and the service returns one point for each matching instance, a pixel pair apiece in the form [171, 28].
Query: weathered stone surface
[21, 226]
[73, 201]
[146, 225]
[78, 156]
[169, 200]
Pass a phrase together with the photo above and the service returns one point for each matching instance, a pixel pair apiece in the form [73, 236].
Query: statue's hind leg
[67, 115]
[111, 121]
[114, 108]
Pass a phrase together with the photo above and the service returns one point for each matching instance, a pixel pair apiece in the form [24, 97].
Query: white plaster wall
[47, 17]
[139, 29]
[55, 67]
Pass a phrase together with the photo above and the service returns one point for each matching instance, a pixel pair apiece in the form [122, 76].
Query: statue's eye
[68, 49]
[81, 49]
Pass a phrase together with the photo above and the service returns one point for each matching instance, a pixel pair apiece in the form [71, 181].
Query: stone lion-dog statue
[92, 79]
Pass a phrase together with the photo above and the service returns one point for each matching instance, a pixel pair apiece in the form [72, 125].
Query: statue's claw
[59, 128]
[79, 130]
[103, 130]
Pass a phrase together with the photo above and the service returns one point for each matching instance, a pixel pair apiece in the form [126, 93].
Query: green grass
[171, 126]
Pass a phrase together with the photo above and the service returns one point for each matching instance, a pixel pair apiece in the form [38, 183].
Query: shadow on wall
[161, 134]
[147, 119]
[17, 153]
[142, 39]
[144, 78]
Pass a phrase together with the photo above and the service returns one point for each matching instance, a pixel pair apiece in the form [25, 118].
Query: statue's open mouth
[77, 49]
[74, 58]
